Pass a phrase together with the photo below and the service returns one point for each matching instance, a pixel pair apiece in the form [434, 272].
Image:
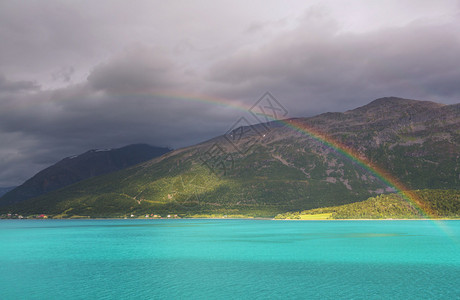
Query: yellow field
[316, 217]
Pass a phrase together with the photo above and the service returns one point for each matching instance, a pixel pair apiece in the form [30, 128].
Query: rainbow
[359, 159]
[322, 137]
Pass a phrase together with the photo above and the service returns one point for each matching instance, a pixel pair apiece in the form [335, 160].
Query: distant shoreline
[260, 219]
[438, 219]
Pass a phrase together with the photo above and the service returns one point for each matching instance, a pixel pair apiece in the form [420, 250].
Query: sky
[80, 75]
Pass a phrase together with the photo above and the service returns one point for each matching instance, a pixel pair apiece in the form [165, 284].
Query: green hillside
[273, 169]
[445, 203]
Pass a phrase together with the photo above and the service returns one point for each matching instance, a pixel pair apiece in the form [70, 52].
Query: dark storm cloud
[116, 106]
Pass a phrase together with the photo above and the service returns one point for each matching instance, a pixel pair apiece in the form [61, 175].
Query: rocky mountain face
[270, 168]
[76, 168]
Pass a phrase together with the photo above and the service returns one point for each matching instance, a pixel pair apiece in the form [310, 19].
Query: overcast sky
[79, 75]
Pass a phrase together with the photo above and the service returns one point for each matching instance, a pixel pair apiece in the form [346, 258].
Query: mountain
[283, 166]
[4, 190]
[76, 168]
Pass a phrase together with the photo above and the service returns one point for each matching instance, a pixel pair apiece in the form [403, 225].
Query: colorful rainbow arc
[355, 157]
[345, 151]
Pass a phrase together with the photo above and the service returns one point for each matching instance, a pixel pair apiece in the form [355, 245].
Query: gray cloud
[63, 74]
[321, 68]
[7, 86]
[138, 70]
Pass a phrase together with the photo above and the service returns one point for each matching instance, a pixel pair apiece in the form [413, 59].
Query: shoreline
[259, 219]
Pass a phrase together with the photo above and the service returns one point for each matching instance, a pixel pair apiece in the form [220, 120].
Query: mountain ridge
[6, 189]
[281, 169]
[75, 168]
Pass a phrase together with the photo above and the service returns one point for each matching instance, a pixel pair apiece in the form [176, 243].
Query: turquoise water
[229, 259]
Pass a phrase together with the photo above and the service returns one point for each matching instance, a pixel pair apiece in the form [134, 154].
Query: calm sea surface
[229, 259]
